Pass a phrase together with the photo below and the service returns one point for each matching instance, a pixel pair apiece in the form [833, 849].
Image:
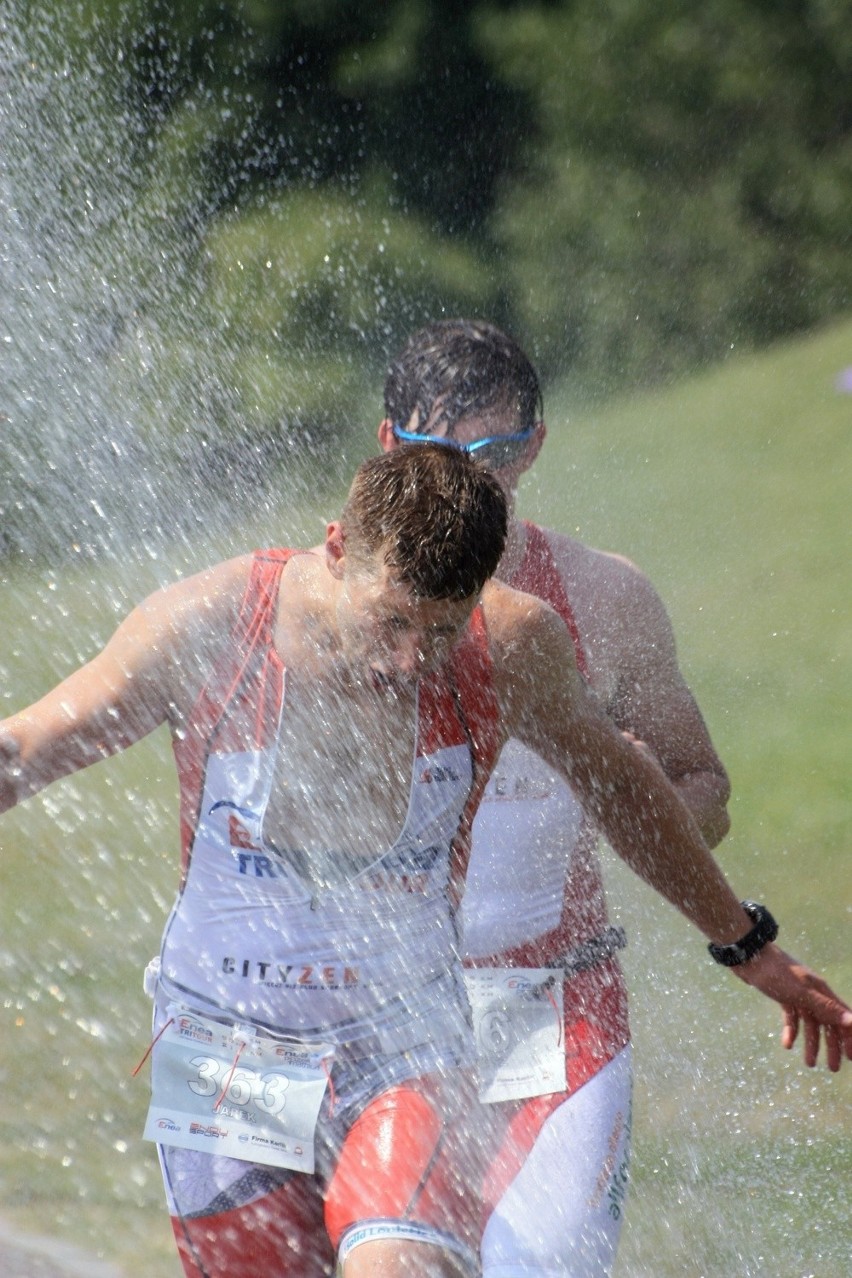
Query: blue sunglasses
[494, 451]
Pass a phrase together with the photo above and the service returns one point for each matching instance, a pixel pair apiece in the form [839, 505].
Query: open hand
[807, 1000]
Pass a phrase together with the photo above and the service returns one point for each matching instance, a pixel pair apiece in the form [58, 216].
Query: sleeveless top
[246, 935]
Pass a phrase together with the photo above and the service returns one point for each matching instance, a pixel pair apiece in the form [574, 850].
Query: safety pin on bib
[242, 1036]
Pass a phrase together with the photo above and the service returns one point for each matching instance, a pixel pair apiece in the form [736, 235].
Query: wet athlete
[534, 896]
[334, 719]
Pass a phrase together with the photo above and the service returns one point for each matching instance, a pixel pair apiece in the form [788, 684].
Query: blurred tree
[260, 197]
[302, 91]
[690, 182]
[642, 185]
[323, 174]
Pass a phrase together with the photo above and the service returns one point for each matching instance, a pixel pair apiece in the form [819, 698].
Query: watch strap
[765, 930]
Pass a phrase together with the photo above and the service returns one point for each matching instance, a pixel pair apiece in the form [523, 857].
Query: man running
[534, 898]
[335, 717]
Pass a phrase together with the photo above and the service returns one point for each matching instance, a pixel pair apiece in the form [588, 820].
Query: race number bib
[518, 1024]
[226, 1090]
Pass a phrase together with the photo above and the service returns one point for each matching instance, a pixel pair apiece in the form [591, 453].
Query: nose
[418, 650]
[409, 654]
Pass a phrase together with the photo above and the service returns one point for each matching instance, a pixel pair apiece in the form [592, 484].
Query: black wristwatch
[765, 929]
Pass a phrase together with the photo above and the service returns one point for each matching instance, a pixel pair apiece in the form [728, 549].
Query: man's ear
[387, 439]
[335, 549]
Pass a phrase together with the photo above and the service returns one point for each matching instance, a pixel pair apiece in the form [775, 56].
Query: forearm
[650, 827]
[678, 864]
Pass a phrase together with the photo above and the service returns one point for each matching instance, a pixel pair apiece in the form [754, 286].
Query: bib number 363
[244, 1096]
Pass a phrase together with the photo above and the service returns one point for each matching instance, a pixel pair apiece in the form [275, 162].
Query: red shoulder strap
[249, 667]
[241, 698]
[538, 575]
[472, 679]
[257, 610]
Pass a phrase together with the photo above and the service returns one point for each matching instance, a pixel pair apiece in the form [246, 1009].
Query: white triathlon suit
[369, 964]
[254, 955]
[534, 899]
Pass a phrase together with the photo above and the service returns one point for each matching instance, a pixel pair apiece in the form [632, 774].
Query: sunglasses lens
[498, 453]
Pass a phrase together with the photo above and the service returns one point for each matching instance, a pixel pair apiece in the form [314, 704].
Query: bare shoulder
[511, 615]
[173, 635]
[535, 671]
[527, 637]
[207, 599]
[620, 615]
[596, 578]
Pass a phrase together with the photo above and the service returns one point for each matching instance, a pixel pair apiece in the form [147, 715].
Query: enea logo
[166, 1125]
[188, 1027]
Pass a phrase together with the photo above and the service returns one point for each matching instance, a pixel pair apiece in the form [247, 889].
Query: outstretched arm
[147, 671]
[641, 815]
[101, 708]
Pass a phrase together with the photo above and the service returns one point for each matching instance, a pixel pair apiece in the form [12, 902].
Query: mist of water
[110, 484]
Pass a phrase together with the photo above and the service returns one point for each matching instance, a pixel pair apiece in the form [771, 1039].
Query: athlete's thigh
[561, 1182]
[400, 1189]
[387, 1258]
[233, 1219]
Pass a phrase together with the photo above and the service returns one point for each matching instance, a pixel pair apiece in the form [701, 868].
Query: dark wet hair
[465, 366]
[439, 518]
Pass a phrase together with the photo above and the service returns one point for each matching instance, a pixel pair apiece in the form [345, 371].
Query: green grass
[732, 491]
